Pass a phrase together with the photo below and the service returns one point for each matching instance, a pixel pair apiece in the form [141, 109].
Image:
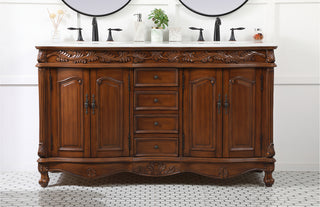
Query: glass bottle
[258, 35]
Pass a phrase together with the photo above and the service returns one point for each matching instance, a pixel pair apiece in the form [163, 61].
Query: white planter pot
[156, 35]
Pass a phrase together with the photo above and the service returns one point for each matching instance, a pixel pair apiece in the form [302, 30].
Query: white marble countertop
[149, 44]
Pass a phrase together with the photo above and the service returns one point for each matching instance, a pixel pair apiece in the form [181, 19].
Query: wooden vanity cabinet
[156, 111]
[109, 111]
[89, 112]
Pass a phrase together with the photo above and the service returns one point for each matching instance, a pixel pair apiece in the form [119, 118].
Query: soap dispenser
[139, 34]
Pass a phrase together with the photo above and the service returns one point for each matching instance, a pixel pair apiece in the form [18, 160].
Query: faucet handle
[110, 38]
[80, 38]
[201, 33]
[232, 38]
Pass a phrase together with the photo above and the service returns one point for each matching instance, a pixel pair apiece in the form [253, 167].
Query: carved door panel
[70, 124]
[242, 112]
[110, 114]
[203, 113]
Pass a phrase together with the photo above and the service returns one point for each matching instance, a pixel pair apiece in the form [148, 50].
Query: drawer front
[156, 100]
[156, 124]
[154, 77]
[164, 147]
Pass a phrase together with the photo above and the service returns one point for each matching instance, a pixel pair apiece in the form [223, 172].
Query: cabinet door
[202, 113]
[110, 115]
[242, 113]
[70, 124]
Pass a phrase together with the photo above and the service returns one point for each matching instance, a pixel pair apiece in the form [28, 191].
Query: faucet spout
[95, 33]
[216, 36]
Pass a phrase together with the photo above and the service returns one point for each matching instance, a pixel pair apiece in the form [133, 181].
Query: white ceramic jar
[156, 34]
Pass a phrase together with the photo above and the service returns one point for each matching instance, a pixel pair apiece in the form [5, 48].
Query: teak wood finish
[156, 111]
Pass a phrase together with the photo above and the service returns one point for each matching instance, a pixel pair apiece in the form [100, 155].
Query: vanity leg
[268, 179]
[44, 180]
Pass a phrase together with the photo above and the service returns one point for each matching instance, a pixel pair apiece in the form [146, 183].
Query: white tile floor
[126, 190]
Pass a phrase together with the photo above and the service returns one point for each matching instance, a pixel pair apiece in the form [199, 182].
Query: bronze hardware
[156, 123]
[219, 104]
[155, 100]
[156, 77]
[93, 104]
[226, 104]
[156, 146]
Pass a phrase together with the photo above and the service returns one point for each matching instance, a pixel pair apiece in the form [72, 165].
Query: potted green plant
[161, 20]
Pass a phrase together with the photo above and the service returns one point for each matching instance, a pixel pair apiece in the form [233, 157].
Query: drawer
[164, 147]
[156, 100]
[156, 124]
[156, 77]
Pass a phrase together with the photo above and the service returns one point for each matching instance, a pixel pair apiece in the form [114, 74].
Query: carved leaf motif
[250, 55]
[270, 57]
[188, 57]
[76, 56]
[156, 169]
[42, 56]
[109, 57]
[173, 56]
[91, 172]
[124, 57]
[106, 57]
[221, 56]
[139, 57]
[156, 56]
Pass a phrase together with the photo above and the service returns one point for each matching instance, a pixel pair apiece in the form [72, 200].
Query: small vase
[156, 34]
[258, 35]
[56, 36]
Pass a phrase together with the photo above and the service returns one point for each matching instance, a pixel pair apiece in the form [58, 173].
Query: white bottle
[139, 34]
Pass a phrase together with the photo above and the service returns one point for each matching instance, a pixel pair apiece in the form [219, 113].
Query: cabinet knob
[156, 77]
[156, 100]
[156, 123]
[156, 146]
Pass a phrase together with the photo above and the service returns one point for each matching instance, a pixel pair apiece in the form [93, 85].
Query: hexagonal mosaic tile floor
[126, 190]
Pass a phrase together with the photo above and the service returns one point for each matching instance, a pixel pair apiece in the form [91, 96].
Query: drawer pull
[155, 100]
[156, 77]
[156, 146]
[93, 104]
[156, 123]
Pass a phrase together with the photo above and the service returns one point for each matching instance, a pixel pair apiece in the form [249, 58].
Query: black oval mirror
[96, 8]
[213, 8]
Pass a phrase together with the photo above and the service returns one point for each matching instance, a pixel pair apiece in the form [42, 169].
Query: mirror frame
[212, 15]
[101, 15]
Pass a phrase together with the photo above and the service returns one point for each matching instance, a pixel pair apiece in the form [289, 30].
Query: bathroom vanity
[156, 109]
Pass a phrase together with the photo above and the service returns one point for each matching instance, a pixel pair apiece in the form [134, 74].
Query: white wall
[292, 24]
